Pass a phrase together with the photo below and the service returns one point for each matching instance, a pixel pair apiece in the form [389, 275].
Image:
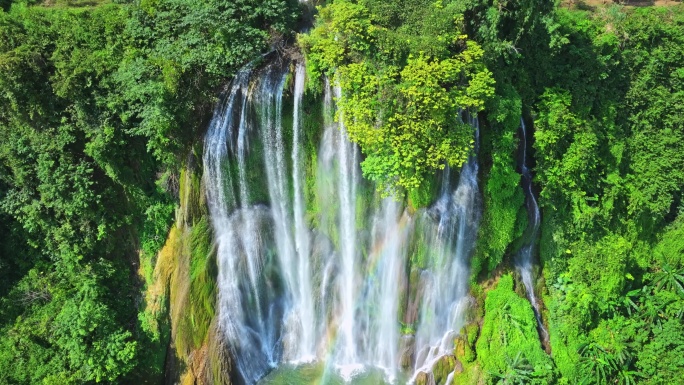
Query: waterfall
[385, 266]
[311, 259]
[271, 130]
[524, 260]
[304, 294]
[348, 179]
[237, 226]
[451, 240]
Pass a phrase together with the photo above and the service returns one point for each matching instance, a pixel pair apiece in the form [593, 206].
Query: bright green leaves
[343, 31]
[178, 52]
[404, 114]
[606, 99]
[572, 157]
[599, 270]
[66, 334]
[600, 366]
[407, 125]
[662, 358]
[508, 346]
[84, 332]
[670, 248]
[503, 196]
[363, 89]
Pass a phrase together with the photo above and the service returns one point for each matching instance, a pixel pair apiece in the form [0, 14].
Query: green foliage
[158, 218]
[599, 366]
[402, 111]
[423, 195]
[503, 196]
[196, 46]
[471, 334]
[661, 360]
[655, 54]
[95, 105]
[67, 333]
[518, 371]
[343, 29]
[508, 347]
[610, 187]
[670, 248]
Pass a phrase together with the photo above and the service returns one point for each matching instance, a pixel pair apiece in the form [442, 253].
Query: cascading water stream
[290, 292]
[524, 260]
[304, 296]
[237, 235]
[347, 166]
[270, 101]
[249, 238]
[382, 287]
[442, 314]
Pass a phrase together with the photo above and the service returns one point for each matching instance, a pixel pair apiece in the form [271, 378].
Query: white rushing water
[313, 264]
[445, 298]
[384, 268]
[305, 296]
[524, 262]
[348, 284]
[238, 239]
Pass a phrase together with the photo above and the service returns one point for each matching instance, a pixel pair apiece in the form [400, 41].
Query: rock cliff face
[183, 294]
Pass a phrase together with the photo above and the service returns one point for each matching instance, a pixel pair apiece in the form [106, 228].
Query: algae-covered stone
[425, 379]
[460, 346]
[415, 291]
[442, 368]
[472, 331]
[407, 349]
[458, 368]
[464, 345]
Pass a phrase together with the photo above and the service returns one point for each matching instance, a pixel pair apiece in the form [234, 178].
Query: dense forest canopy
[99, 106]
[103, 104]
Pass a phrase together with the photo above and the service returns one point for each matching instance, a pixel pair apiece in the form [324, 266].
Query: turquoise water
[316, 374]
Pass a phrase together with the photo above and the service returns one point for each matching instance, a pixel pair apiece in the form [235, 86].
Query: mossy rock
[509, 329]
[469, 355]
[425, 379]
[408, 351]
[464, 345]
[443, 368]
[460, 344]
[415, 288]
[471, 332]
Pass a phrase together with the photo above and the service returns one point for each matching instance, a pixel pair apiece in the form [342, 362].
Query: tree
[403, 112]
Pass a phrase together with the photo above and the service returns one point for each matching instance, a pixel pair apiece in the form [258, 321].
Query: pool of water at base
[319, 374]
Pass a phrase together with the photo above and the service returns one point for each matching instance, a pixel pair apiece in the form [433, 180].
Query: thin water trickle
[524, 261]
